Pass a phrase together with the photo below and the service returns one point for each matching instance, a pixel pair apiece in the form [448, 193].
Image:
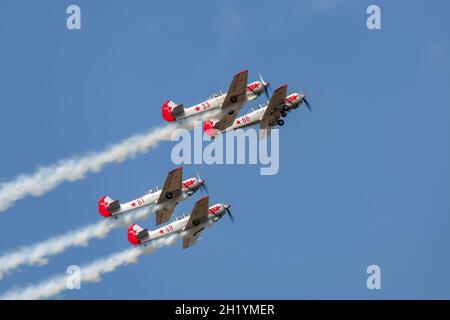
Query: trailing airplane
[173, 191]
[191, 225]
[226, 104]
[270, 114]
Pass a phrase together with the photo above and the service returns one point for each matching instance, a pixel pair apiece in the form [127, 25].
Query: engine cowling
[218, 208]
[103, 206]
[132, 235]
[208, 127]
[167, 111]
[256, 87]
[293, 100]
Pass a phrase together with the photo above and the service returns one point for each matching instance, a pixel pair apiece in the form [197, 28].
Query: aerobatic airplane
[193, 224]
[270, 114]
[227, 104]
[174, 191]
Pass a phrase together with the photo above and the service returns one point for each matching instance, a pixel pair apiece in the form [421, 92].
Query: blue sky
[364, 178]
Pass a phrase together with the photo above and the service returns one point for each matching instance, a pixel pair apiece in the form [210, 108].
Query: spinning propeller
[227, 206]
[202, 183]
[306, 102]
[266, 86]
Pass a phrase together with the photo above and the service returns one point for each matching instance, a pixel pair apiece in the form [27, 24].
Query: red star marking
[133, 204]
[188, 183]
[197, 108]
[238, 122]
[161, 231]
[253, 86]
[213, 210]
[292, 98]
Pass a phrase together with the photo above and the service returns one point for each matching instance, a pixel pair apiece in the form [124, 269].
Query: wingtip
[203, 199]
[243, 71]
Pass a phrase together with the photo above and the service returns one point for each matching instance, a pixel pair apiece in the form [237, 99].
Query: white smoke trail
[89, 273]
[38, 254]
[47, 178]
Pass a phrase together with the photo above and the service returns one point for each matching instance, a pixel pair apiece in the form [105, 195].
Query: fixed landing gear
[280, 122]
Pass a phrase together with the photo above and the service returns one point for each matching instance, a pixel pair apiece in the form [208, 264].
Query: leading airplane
[173, 191]
[268, 115]
[193, 225]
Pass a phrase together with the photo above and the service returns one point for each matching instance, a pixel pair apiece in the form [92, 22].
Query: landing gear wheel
[280, 122]
[169, 195]
[233, 99]
[284, 114]
[285, 108]
[196, 222]
[231, 112]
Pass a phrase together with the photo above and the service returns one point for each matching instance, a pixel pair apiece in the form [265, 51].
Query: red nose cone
[103, 207]
[208, 127]
[132, 236]
[167, 112]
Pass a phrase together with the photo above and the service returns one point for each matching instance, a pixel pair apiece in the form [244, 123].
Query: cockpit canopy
[184, 215]
[153, 190]
[217, 94]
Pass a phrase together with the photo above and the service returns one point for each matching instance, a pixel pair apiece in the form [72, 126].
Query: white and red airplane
[174, 191]
[193, 224]
[227, 104]
[269, 115]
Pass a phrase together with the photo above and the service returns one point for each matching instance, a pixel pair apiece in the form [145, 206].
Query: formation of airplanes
[226, 107]
[231, 102]
[165, 200]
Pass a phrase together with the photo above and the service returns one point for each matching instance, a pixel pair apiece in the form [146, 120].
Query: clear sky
[364, 179]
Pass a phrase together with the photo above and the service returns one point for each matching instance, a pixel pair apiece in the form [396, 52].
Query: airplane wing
[172, 187]
[190, 240]
[226, 121]
[237, 91]
[234, 100]
[164, 214]
[272, 112]
[198, 216]
[199, 213]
